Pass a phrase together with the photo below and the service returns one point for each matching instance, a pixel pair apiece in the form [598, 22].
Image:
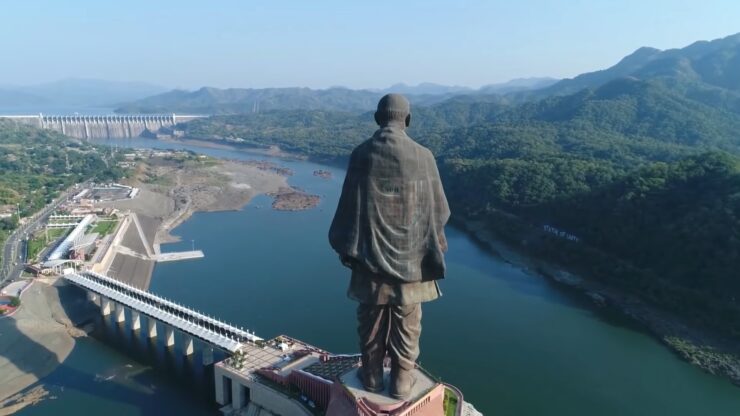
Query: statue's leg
[405, 329]
[372, 328]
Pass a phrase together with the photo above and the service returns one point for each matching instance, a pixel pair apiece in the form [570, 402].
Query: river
[512, 342]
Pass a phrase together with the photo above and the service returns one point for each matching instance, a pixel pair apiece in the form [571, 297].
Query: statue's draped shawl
[393, 210]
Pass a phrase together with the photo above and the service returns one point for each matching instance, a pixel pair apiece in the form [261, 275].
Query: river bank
[36, 339]
[709, 351]
[172, 191]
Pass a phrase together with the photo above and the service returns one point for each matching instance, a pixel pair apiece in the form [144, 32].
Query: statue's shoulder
[363, 147]
[420, 148]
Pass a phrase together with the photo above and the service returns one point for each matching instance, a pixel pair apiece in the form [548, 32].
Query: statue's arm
[341, 232]
[442, 208]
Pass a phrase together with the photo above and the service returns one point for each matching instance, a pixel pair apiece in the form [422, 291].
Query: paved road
[14, 250]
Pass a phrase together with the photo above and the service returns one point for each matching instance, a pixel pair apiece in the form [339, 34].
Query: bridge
[115, 297]
[104, 126]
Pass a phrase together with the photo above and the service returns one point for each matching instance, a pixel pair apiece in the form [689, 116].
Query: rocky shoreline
[711, 352]
[323, 174]
[293, 199]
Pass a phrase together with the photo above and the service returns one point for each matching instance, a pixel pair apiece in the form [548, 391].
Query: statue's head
[393, 109]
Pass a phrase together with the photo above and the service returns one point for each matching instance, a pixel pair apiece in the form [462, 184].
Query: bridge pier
[237, 398]
[223, 388]
[169, 337]
[187, 349]
[92, 297]
[135, 320]
[120, 313]
[105, 306]
[208, 355]
[152, 330]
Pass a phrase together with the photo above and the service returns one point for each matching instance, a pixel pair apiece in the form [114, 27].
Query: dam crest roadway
[114, 126]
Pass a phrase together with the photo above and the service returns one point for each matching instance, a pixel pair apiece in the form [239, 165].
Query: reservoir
[513, 343]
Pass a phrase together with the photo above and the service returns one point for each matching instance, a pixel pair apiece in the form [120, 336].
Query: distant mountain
[426, 88]
[518, 84]
[247, 100]
[77, 92]
[12, 98]
[638, 108]
[706, 71]
[209, 100]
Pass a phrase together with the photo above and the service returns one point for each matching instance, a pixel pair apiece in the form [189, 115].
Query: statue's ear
[377, 118]
[408, 120]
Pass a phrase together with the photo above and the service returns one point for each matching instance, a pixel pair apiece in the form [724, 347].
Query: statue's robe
[389, 224]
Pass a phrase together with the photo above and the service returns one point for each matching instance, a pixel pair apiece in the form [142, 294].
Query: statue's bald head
[393, 109]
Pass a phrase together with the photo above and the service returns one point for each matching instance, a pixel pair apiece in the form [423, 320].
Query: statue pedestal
[350, 398]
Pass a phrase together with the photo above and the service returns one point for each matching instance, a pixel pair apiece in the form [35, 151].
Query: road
[14, 252]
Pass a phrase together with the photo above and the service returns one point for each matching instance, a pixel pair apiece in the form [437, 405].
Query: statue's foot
[401, 383]
[372, 381]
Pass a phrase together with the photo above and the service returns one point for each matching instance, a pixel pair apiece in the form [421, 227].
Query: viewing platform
[179, 255]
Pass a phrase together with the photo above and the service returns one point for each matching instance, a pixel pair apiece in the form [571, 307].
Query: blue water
[514, 344]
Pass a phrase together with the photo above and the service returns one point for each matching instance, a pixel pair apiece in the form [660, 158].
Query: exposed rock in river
[293, 199]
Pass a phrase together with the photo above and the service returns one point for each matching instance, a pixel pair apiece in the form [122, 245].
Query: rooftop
[281, 353]
[334, 367]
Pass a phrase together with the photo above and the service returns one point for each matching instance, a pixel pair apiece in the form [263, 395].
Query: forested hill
[706, 71]
[670, 232]
[208, 100]
[246, 100]
[35, 165]
[533, 164]
[680, 220]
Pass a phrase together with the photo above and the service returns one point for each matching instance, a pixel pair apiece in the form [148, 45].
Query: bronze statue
[389, 229]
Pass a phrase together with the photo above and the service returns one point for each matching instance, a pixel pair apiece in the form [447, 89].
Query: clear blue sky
[345, 42]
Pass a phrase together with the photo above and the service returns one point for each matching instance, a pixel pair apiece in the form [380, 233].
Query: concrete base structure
[152, 328]
[208, 355]
[350, 398]
[187, 347]
[120, 313]
[169, 336]
[268, 376]
[238, 393]
[92, 297]
[135, 320]
[105, 306]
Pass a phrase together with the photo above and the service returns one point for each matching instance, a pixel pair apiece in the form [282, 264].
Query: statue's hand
[347, 261]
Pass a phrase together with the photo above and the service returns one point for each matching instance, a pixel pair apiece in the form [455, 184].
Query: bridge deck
[209, 330]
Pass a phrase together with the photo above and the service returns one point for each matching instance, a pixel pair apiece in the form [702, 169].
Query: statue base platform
[350, 398]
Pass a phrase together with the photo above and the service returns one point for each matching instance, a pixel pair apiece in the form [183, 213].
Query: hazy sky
[345, 42]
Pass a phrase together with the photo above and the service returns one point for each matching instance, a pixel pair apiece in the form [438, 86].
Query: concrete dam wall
[105, 127]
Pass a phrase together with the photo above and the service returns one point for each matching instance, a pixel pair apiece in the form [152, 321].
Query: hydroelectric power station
[118, 126]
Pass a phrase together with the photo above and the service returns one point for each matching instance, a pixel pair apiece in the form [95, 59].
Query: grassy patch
[105, 227]
[3, 236]
[450, 402]
[37, 243]
[55, 233]
[162, 180]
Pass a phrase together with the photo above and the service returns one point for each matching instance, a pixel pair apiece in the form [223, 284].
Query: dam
[117, 126]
